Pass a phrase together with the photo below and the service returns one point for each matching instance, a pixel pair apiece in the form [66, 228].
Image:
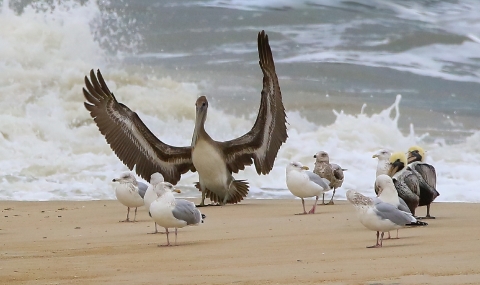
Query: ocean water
[356, 76]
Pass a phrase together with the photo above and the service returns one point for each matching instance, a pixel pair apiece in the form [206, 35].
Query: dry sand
[255, 242]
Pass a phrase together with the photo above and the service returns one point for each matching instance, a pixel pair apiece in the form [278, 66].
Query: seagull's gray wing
[390, 212]
[403, 206]
[142, 188]
[186, 211]
[322, 182]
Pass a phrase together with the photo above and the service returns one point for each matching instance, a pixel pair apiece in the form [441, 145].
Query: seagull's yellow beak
[177, 191]
[375, 156]
[305, 167]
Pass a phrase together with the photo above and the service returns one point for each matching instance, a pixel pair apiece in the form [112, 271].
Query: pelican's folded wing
[129, 138]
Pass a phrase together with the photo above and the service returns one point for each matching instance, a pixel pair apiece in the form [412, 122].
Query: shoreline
[259, 241]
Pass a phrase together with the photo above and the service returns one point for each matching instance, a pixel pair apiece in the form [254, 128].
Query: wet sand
[255, 242]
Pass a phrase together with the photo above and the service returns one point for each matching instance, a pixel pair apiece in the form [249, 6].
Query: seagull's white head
[296, 166]
[382, 154]
[164, 187]
[156, 178]
[126, 177]
[384, 184]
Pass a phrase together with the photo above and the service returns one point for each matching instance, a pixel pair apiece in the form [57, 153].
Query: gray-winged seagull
[130, 193]
[303, 184]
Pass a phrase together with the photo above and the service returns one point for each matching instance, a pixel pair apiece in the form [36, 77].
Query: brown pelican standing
[214, 161]
[405, 181]
[426, 175]
[330, 171]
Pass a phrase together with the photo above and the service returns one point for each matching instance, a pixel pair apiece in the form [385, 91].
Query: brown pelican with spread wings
[214, 161]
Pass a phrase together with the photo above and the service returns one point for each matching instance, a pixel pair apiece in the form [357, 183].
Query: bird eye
[204, 104]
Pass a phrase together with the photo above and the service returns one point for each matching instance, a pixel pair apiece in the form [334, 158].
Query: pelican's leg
[331, 199]
[202, 203]
[304, 211]
[428, 214]
[377, 244]
[312, 211]
[128, 213]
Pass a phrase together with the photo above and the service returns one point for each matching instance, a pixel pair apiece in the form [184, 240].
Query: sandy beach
[255, 242]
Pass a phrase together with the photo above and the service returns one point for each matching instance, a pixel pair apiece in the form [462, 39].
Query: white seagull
[388, 194]
[130, 193]
[383, 165]
[169, 212]
[150, 194]
[303, 184]
[378, 216]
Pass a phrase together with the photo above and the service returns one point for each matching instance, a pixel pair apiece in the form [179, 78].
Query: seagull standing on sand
[214, 161]
[378, 216]
[330, 171]
[383, 164]
[303, 184]
[150, 194]
[426, 175]
[388, 194]
[130, 193]
[169, 212]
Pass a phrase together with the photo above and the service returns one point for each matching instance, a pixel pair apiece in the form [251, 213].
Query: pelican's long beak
[395, 166]
[305, 168]
[413, 156]
[177, 191]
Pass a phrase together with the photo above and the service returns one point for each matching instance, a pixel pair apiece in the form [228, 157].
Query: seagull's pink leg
[312, 211]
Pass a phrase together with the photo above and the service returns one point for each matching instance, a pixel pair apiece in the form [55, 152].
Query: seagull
[405, 181]
[303, 183]
[150, 194]
[135, 144]
[330, 171]
[130, 193]
[169, 212]
[426, 175]
[383, 165]
[388, 194]
[378, 216]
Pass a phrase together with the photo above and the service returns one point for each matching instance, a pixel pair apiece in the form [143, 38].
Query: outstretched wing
[268, 133]
[129, 138]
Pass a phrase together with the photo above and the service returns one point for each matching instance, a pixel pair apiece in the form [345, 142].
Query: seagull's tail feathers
[417, 224]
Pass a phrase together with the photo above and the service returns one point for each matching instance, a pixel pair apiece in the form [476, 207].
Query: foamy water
[50, 148]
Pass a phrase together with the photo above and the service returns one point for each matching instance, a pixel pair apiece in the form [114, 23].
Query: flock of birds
[402, 184]
[162, 165]
[164, 209]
